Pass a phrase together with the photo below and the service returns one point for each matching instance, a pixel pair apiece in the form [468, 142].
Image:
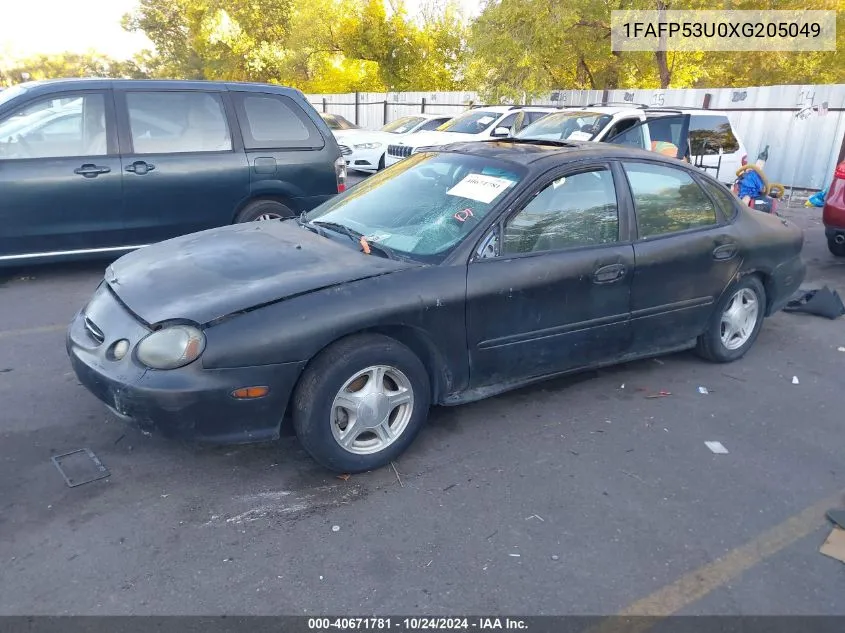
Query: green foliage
[513, 50]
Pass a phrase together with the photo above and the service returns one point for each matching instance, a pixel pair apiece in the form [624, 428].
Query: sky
[32, 27]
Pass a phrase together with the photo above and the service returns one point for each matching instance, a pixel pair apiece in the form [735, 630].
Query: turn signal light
[250, 392]
[840, 170]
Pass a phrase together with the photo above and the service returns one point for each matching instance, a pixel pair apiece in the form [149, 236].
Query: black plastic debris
[825, 303]
[80, 467]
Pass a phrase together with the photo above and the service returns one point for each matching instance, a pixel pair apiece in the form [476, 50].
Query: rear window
[274, 121]
[708, 133]
[725, 200]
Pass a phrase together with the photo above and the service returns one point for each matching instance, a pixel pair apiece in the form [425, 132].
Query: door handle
[725, 251]
[91, 171]
[140, 167]
[609, 274]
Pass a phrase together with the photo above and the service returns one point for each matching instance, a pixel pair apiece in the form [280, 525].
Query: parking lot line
[699, 582]
[32, 330]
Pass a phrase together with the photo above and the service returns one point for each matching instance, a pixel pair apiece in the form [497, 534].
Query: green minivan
[94, 166]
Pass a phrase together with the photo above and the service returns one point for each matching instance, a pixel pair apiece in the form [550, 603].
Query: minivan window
[271, 121]
[710, 133]
[177, 122]
[56, 126]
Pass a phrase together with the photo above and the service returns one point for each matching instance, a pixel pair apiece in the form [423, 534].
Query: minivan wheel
[735, 323]
[360, 403]
[834, 248]
[263, 210]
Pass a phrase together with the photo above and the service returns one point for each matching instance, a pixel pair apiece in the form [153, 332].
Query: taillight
[839, 172]
[340, 173]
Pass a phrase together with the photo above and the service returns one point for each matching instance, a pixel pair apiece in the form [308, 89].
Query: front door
[685, 253]
[60, 184]
[549, 290]
[182, 172]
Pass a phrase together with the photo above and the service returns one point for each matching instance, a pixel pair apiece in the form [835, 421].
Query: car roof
[529, 151]
[52, 85]
[633, 109]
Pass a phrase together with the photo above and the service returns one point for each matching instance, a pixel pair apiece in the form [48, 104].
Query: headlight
[367, 146]
[171, 347]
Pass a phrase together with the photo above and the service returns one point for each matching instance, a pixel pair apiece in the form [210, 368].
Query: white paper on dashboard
[480, 187]
[578, 135]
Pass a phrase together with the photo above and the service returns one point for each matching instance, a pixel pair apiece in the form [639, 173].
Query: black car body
[91, 166]
[273, 299]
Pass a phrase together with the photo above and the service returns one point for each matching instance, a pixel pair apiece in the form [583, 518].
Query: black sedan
[455, 275]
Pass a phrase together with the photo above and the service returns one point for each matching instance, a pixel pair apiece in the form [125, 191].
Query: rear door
[183, 168]
[60, 183]
[713, 146]
[686, 255]
[553, 292]
[287, 155]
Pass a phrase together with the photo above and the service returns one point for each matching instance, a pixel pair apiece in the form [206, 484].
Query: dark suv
[91, 166]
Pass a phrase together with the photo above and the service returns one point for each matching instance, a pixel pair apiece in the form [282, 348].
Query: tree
[60, 65]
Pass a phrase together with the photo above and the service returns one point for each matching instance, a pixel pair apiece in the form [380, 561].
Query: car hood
[204, 276]
[350, 137]
[434, 138]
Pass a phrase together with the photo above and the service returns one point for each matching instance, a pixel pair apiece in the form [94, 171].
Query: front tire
[380, 163]
[735, 323]
[834, 248]
[263, 210]
[360, 403]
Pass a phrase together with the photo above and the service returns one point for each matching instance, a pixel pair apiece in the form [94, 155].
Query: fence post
[357, 106]
[325, 105]
[707, 97]
[604, 96]
[384, 115]
[422, 109]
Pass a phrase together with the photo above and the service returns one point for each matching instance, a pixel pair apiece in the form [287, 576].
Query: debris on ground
[838, 517]
[344, 477]
[834, 545]
[622, 386]
[840, 349]
[660, 394]
[555, 557]
[795, 380]
[514, 555]
[535, 516]
[703, 391]
[80, 467]
[717, 447]
[822, 302]
[335, 528]
[398, 478]
[658, 361]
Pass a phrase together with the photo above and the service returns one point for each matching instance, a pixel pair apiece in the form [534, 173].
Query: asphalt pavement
[576, 496]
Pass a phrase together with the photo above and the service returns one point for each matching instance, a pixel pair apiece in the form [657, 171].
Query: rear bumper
[784, 282]
[192, 402]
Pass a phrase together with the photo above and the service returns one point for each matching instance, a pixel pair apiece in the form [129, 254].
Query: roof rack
[610, 103]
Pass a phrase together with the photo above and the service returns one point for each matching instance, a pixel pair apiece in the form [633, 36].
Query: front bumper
[366, 159]
[191, 402]
[784, 283]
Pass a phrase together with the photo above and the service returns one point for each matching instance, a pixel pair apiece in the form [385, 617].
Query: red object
[744, 159]
[833, 214]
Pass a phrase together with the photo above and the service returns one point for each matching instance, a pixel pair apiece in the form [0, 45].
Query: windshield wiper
[355, 236]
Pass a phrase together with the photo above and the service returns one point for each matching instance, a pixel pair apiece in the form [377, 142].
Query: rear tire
[263, 210]
[735, 323]
[360, 403]
[834, 248]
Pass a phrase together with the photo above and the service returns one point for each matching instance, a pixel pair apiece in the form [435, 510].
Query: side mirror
[500, 132]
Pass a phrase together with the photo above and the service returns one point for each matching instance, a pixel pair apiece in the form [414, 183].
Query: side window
[621, 126]
[177, 122]
[664, 135]
[711, 134]
[274, 121]
[56, 127]
[725, 199]
[433, 124]
[575, 210]
[667, 200]
[507, 122]
[535, 116]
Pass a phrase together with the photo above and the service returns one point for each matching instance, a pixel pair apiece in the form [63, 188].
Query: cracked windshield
[423, 207]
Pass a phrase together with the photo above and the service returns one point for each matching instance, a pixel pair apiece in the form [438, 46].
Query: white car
[704, 137]
[477, 124]
[365, 150]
